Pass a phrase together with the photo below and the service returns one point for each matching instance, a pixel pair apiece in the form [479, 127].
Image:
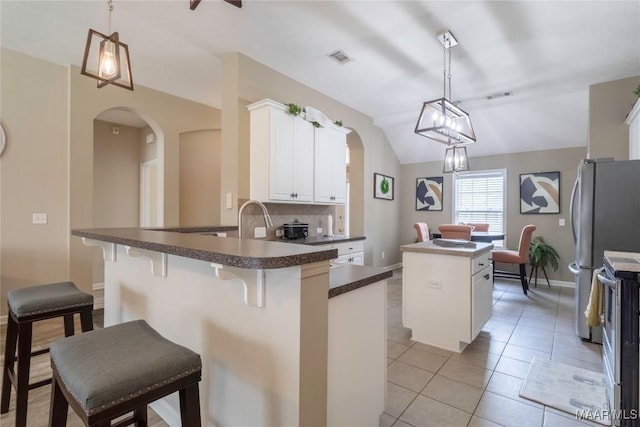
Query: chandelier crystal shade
[440, 119]
[106, 58]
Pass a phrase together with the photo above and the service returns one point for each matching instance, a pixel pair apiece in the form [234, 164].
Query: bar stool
[30, 305]
[120, 369]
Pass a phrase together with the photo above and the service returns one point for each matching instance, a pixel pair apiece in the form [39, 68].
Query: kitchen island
[446, 292]
[277, 348]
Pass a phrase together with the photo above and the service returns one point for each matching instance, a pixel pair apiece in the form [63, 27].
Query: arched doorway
[127, 174]
[354, 211]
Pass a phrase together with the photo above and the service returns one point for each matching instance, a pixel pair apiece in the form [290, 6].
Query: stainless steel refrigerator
[605, 215]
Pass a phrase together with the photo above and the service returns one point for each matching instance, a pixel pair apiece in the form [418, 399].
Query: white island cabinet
[446, 293]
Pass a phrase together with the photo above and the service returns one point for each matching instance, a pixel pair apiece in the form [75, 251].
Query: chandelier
[440, 119]
[108, 57]
[455, 159]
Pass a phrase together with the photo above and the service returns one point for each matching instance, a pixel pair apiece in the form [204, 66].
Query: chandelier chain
[449, 76]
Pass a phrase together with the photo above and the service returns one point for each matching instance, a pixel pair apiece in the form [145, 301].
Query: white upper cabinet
[633, 120]
[330, 165]
[292, 161]
[281, 152]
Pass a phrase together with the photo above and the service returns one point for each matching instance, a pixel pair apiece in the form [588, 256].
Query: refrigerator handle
[573, 267]
[574, 193]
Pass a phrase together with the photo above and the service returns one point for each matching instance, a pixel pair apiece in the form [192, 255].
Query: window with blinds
[480, 197]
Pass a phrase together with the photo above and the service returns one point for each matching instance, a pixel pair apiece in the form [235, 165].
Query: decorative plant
[339, 122]
[542, 254]
[637, 91]
[316, 124]
[294, 109]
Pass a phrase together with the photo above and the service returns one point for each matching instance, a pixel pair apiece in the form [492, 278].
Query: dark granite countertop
[351, 277]
[234, 252]
[195, 228]
[318, 240]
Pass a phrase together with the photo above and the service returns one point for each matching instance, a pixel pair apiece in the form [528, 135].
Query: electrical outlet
[229, 202]
[435, 284]
[259, 232]
[279, 233]
[39, 218]
[561, 222]
[382, 255]
[319, 230]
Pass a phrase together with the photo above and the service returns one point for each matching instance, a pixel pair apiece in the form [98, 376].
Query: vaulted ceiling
[546, 52]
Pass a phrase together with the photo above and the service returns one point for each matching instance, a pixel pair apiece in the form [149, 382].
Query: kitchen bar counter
[319, 240]
[351, 277]
[234, 252]
[196, 228]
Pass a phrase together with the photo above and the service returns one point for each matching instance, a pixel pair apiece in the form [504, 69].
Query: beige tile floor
[427, 386]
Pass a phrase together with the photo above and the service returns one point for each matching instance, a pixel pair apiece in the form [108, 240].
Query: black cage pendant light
[440, 119]
[455, 159]
[106, 58]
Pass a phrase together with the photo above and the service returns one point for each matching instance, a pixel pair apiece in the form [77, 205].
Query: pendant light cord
[110, 8]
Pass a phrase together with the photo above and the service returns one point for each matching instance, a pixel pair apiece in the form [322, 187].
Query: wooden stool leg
[86, 320]
[9, 359]
[140, 414]
[24, 363]
[190, 406]
[69, 329]
[59, 406]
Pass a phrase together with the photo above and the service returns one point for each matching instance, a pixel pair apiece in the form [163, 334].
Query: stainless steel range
[621, 335]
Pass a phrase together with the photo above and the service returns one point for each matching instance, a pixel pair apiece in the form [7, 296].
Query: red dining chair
[520, 257]
[454, 231]
[479, 226]
[423, 231]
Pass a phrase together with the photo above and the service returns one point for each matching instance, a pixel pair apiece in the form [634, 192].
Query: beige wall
[48, 113]
[251, 81]
[609, 104]
[200, 177]
[33, 172]
[167, 115]
[564, 160]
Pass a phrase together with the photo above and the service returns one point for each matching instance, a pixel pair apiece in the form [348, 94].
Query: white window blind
[480, 197]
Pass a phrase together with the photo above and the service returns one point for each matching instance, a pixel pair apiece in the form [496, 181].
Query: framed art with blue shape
[540, 193]
[429, 193]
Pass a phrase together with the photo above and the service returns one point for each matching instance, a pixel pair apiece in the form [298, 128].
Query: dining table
[479, 236]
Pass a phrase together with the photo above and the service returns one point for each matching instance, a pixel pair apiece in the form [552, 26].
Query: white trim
[97, 286]
[558, 283]
[3, 319]
[393, 266]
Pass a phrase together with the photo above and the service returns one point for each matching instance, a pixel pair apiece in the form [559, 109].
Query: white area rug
[574, 390]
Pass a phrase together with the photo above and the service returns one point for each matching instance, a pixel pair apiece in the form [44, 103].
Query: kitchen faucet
[267, 218]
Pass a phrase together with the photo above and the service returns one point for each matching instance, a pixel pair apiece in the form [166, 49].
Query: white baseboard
[97, 286]
[558, 283]
[3, 319]
[393, 266]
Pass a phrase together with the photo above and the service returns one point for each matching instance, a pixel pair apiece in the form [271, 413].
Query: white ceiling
[546, 52]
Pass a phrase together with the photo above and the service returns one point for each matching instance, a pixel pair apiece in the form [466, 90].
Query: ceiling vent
[339, 56]
[499, 95]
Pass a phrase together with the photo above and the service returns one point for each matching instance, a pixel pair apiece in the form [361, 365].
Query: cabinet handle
[481, 264]
[486, 276]
[291, 195]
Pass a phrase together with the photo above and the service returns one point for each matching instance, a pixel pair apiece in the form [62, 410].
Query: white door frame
[146, 209]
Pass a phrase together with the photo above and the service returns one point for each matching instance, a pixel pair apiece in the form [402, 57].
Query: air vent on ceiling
[339, 56]
[500, 95]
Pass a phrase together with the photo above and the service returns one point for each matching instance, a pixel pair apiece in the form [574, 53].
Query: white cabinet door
[280, 155]
[330, 166]
[481, 300]
[302, 159]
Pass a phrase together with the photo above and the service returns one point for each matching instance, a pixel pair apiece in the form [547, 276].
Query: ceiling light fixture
[455, 159]
[108, 57]
[440, 119]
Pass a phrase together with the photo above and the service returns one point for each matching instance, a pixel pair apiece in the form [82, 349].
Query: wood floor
[44, 333]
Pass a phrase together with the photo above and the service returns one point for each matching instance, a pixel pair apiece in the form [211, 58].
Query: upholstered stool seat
[28, 305]
[120, 369]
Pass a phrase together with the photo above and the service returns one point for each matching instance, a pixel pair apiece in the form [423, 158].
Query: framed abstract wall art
[429, 193]
[540, 193]
[382, 186]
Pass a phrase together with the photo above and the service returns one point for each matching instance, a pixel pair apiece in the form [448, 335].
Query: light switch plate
[319, 230]
[561, 222]
[229, 202]
[39, 218]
